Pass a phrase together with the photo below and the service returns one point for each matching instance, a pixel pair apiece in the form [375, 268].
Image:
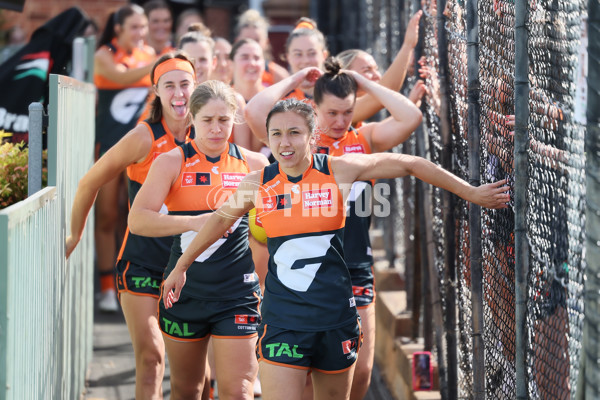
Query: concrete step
[386, 278]
[394, 349]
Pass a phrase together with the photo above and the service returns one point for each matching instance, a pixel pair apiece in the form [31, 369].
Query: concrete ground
[111, 374]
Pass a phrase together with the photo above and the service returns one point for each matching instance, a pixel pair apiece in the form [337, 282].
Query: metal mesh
[458, 78]
[556, 194]
[432, 116]
[496, 60]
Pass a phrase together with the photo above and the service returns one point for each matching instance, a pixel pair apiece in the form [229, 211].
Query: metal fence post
[521, 182]
[34, 168]
[448, 204]
[474, 210]
[589, 386]
[90, 49]
[79, 59]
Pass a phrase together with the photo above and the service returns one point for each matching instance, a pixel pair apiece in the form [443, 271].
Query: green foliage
[13, 173]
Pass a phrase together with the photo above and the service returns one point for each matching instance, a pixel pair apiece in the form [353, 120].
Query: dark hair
[334, 82]
[156, 106]
[186, 13]
[156, 5]
[197, 33]
[240, 43]
[118, 18]
[301, 108]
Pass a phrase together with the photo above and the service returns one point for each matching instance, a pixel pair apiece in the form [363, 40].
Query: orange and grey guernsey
[357, 244]
[308, 286]
[136, 58]
[298, 94]
[225, 270]
[120, 106]
[151, 252]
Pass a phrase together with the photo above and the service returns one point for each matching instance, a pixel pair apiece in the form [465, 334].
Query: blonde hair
[252, 18]
[212, 90]
[347, 57]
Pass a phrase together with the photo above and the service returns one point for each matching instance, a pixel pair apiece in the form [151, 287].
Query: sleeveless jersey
[120, 106]
[267, 76]
[225, 270]
[298, 94]
[308, 285]
[151, 252]
[357, 244]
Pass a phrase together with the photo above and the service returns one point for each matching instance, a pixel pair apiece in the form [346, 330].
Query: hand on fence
[492, 195]
[70, 244]
[417, 92]
[412, 30]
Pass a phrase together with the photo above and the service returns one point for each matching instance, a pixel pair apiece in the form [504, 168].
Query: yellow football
[256, 227]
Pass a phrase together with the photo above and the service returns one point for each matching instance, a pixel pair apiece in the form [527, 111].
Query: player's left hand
[492, 195]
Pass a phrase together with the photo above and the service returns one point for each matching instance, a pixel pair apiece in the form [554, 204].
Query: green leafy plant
[13, 173]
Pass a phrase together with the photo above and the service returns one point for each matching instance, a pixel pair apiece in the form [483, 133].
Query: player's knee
[362, 376]
[180, 389]
[237, 390]
[152, 361]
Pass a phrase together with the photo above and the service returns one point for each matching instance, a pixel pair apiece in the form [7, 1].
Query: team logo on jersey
[246, 319]
[361, 291]
[231, 180]
[279, 202]
[354, 148]
[295, 189]
[350, 346]
[215, 170]
[336, 144]
[195, 179]
[317, 198]
[248, 278]
[322, 150]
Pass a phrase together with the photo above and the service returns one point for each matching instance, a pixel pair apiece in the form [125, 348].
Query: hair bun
[199, 27]
[332, 66]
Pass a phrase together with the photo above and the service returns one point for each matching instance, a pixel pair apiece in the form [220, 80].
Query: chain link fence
[555, 192]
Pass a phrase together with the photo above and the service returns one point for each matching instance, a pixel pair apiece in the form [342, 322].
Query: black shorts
[363, 286]
[330, 351]
[192, 319]
[137, 279]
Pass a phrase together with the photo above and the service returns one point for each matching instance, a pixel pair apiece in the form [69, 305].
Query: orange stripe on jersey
[313, 204]
[135, 59]
[204, 184]
[161, 143]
